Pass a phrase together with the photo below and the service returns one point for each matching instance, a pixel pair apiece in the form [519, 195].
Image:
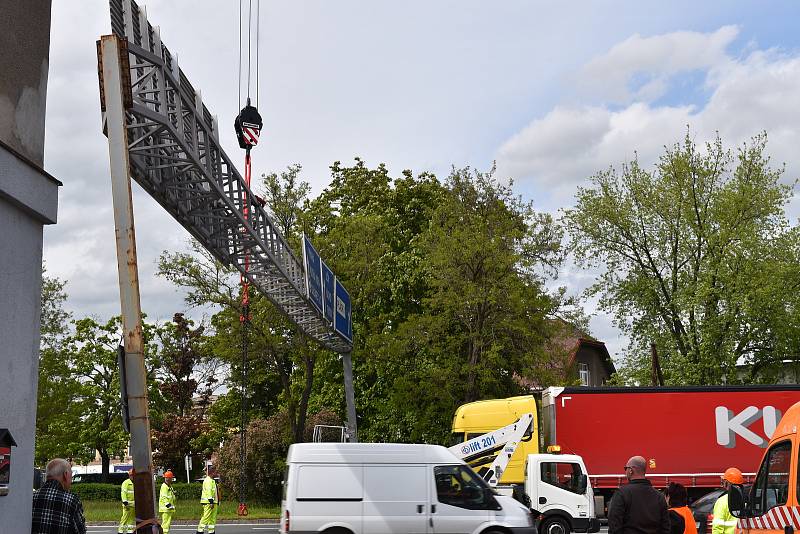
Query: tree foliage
[187, 376]
[57, 412]
[446, 280]
[696, 255]
[268, 443]
[92, 359]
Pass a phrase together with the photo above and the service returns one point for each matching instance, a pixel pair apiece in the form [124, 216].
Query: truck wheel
[554, 525]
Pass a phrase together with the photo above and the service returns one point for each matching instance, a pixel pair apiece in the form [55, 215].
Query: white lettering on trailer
[728, 425]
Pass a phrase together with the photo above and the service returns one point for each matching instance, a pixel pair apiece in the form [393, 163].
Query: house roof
[568, 342]
[589, 342]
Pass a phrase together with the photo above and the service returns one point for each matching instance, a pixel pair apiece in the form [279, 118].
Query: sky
[553, 92]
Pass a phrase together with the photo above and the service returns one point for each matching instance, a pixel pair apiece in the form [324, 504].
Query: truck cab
[772, 504]
[558, 486]
[474, 419]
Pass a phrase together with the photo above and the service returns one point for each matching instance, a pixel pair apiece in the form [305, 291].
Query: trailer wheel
[554, 525]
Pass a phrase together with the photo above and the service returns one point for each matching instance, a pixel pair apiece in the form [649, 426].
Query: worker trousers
[166, 521]
[208, 519]
[127, 523]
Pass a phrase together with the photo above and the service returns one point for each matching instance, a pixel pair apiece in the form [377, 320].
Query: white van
[382, 488]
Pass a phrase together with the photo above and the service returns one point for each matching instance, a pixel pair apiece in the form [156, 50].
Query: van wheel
[554, 525]
[336, 530]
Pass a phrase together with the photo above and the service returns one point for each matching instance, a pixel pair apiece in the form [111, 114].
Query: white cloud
[568, 145]
[653, 60]
[559, 151]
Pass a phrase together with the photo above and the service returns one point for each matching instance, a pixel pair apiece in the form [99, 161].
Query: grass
[95, 511]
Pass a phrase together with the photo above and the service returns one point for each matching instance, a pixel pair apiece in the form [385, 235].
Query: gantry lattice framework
[175, 155]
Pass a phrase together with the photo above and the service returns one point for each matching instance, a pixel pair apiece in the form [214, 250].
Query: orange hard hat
[733, 475]
[169, 474]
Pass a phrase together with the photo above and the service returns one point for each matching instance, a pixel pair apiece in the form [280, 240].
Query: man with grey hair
[56, 510]
[637, 508]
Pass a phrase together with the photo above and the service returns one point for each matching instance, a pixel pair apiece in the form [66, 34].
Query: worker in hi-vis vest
[166, 502]
[210, 501]
[724, 522]
[127, 523]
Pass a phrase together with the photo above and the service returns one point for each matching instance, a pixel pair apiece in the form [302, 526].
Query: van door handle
[420, 507]
[542, 500]
[433, 510]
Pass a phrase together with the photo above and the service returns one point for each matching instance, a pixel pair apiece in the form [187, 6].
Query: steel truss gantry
[175, 155]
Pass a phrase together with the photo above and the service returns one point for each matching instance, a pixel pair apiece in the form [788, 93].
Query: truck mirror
[736, 503]
[583, 482]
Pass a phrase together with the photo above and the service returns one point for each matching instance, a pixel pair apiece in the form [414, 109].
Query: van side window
[563, 475]
[771, 488]
[458, 485]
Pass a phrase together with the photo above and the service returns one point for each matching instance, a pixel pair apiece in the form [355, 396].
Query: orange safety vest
[688, 519]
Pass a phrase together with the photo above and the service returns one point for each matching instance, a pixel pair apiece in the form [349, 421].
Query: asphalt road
[242, 528]
[222, 528]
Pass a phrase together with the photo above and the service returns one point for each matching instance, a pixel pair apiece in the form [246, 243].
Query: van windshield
[458, 485]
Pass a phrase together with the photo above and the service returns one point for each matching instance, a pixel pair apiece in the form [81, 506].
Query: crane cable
[248, 128]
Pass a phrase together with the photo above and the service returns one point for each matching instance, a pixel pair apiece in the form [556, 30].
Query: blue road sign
[328, 291]
[313, 264]
[343, 324]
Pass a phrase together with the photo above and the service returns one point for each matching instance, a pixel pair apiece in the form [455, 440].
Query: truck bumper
[585, 524]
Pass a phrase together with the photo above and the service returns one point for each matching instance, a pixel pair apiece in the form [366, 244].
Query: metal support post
[352, 425]
[136, 380]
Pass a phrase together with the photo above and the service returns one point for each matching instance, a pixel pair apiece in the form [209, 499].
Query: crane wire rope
[248, 128]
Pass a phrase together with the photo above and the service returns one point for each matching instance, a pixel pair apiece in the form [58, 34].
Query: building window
[583, 373]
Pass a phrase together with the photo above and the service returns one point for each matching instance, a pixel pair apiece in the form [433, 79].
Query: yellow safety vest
[166, 497]
[724, 522]
[126, 492]
[209, 491]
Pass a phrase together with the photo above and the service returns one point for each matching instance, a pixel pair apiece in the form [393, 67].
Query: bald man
[637, 508]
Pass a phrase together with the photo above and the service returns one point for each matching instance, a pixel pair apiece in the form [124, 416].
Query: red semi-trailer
[688, 435]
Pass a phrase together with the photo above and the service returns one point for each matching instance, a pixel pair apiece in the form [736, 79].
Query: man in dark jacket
[55, 509]
[636, 507]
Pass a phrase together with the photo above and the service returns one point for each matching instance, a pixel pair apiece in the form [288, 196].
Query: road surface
[222, 528]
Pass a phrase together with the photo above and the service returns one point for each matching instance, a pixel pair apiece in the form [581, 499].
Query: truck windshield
[564, 475]
[772, 483]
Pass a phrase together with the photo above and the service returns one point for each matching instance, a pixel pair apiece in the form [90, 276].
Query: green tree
[366, 225]
[484, 321]
[92, 350]
[697, 256]
[187, 375]
[57, 415]
[446, 281]
[268, 443]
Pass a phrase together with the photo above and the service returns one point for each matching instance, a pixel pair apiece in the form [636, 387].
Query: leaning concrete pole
[115, 83]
